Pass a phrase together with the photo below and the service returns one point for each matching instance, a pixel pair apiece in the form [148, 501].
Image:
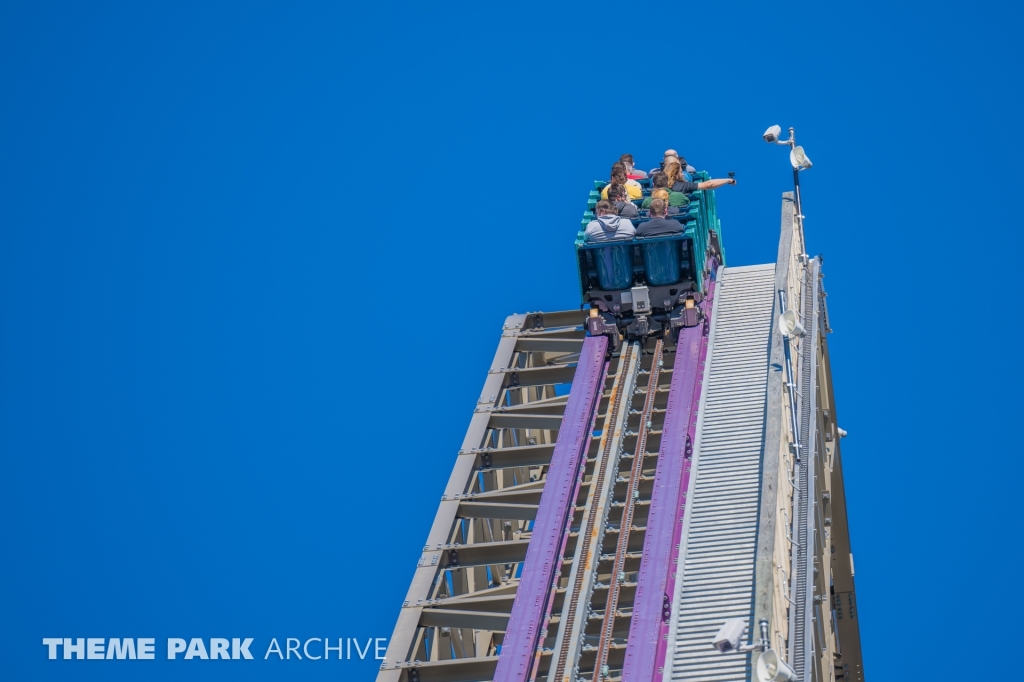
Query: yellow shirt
[632, 190]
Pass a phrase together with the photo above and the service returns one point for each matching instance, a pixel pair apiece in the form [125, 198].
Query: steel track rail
[543, 555]
[615, 583]
[648, 629]
[588, 532]
[546, 621]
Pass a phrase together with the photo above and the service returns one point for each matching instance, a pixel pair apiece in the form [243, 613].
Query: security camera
[842, 432]
[772, 134]
[729, 635]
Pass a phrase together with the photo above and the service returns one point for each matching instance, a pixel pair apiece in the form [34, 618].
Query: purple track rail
[543, 555]
[645, 649]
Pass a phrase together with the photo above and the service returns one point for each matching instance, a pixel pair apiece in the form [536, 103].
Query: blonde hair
[660, 194]
[674, 171]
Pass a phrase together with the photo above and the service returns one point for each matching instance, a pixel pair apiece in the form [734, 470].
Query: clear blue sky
[254, 260]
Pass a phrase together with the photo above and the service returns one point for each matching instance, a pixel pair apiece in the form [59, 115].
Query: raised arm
[714, 184]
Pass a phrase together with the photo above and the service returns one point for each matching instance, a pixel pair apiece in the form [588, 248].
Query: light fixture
[770, 668]
[799, 159]
[789, 324]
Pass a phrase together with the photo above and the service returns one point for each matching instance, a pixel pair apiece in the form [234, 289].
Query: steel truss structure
[610, 507]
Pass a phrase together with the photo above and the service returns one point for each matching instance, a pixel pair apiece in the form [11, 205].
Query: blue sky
[254, 260]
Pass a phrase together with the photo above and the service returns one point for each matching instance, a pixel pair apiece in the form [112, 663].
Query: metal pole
[790, 384]
[796, 188]
[796, 181]
[791, 391]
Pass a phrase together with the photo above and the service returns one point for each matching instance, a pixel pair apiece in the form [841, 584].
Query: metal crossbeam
[481, 620]
[497, 510]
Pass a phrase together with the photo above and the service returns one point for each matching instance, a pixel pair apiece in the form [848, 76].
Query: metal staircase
[719, 539]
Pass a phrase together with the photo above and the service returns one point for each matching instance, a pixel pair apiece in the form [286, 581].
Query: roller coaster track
[613, 504]
[626, 525]
[591, 531]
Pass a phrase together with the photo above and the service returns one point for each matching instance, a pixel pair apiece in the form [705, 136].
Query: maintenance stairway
[720, 532]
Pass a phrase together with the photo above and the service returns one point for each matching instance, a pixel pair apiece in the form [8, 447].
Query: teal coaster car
[610, 270]
[650, 285]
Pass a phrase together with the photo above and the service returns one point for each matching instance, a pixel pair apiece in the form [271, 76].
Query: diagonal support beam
[542, 557]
